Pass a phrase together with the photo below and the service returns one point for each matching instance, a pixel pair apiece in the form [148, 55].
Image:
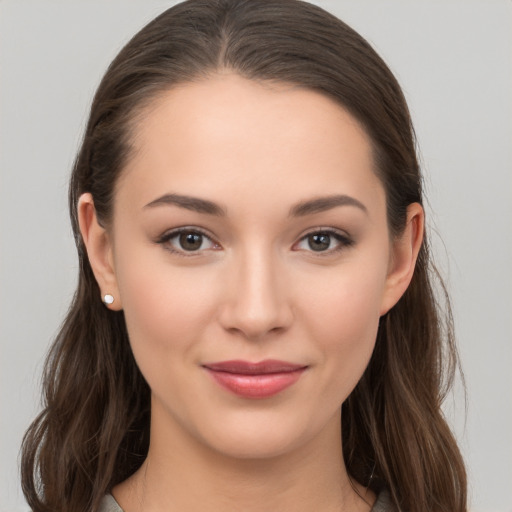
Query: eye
[323, 241]
[187, 241]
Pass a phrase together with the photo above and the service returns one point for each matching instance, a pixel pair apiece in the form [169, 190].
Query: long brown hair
[93, 431]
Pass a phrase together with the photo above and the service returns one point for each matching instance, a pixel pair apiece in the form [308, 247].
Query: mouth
[255, 380]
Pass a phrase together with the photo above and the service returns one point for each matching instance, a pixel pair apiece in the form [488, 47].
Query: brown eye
[190, 241]
[319, 241]
[328, 242]
[186, 241]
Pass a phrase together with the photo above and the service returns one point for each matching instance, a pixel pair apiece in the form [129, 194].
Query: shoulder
[382, 504]
[109, 504]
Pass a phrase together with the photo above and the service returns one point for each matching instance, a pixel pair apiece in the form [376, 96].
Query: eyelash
[343, 241]
[175, 233]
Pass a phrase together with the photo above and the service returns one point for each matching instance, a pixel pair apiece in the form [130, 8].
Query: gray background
[454, 61]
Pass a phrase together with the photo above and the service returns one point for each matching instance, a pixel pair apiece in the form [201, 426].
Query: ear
[404, 253]
[99, 250]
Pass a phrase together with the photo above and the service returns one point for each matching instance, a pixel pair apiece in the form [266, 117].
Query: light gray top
[382, 504]
[109, 504]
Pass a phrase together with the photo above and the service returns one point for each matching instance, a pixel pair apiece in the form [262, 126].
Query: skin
[254, 290]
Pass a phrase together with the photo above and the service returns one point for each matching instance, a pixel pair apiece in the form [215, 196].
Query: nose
[257, 301]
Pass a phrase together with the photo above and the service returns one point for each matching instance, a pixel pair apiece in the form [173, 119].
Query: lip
[255, 380]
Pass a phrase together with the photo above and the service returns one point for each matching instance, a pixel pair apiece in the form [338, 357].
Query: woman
[254, 281]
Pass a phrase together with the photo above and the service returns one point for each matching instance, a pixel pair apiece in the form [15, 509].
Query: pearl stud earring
[108, 299]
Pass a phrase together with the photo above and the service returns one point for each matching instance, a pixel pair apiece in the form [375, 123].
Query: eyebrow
[301, 209]
[189, 203]
[321, 204]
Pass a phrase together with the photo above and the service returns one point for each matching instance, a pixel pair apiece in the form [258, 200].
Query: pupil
[319, 242]
[191, 241]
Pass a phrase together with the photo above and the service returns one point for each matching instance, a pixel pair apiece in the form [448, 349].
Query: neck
[182, 473]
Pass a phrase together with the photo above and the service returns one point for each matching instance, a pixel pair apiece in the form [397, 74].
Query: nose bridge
[257, 302]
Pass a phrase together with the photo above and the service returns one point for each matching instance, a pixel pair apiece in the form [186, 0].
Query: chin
[267, 435]
[259, 446]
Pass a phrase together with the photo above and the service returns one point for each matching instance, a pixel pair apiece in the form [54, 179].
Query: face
[251, 255]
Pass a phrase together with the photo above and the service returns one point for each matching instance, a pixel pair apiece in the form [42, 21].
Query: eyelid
[174, 232]
[343, 238]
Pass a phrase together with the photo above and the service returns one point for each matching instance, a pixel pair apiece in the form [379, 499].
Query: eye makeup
[324, 242]
[190, 241]
[187, 241]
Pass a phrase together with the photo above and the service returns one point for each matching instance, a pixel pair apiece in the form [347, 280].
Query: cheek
[347, 300]
[166, 311]
[154, 309]
[343, 317]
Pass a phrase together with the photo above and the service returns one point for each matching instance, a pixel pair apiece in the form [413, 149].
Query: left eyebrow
[322, 204]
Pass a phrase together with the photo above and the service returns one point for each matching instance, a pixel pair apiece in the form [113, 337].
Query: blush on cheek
[165, 310]
[347, 323]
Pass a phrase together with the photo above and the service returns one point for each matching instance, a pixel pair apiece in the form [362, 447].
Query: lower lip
[256, 386]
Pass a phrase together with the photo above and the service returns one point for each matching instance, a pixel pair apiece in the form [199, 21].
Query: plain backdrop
[454, 61]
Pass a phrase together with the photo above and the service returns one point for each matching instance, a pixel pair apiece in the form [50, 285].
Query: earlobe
[99, 251]
[405, 251]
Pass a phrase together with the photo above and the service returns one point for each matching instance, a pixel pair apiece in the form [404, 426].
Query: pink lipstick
[255, 380]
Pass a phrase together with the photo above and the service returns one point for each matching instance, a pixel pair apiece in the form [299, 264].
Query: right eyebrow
[189, 203]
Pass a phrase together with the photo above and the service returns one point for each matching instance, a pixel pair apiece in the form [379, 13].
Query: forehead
[229, 135]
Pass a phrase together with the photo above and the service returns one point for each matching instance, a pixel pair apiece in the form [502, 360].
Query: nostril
[238, 320]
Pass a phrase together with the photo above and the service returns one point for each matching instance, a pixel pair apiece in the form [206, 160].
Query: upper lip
[250, 368]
